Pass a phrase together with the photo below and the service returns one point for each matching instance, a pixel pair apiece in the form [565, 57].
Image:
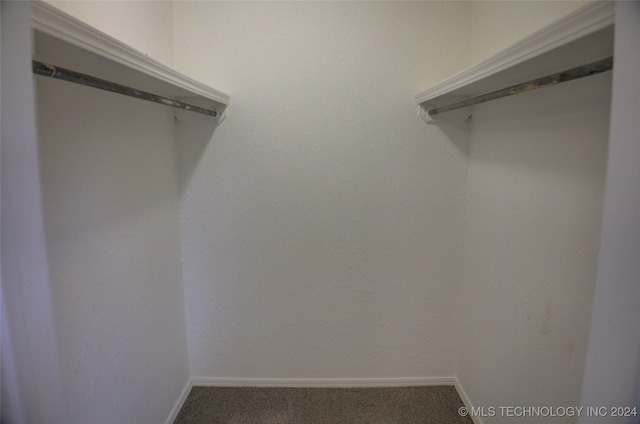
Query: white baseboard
[322, 382]
[465, 399]
[319, 382]
[178, 405]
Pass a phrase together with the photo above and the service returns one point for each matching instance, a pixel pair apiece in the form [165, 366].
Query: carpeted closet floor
[273, 405]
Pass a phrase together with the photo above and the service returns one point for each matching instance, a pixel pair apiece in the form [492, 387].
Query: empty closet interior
[310, 229]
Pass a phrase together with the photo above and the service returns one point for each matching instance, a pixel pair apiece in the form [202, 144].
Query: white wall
[143, 25]
[612, 371]
[322, 224]
[496, 25]
[536, 181]
[99, 336]
[30, 373]
[111, 218]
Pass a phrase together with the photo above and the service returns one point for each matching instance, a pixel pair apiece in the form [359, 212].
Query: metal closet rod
[83, 79]
[547, 81]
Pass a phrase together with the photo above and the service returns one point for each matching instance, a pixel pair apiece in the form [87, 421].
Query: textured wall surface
[536, 183]
[322, 224]
[30, 377]
[111, 220]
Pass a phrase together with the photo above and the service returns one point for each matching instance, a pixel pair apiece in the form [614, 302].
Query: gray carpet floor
[274, 405]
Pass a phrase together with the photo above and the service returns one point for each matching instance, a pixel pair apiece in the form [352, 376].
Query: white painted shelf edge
[587, 20]
[55, 23]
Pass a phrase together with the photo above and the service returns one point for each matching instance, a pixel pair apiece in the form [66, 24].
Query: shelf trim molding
[542, 82]
[584, 21]
[51, 21]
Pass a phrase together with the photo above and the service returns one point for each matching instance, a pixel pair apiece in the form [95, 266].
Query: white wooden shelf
[584, 36]
[63, 41]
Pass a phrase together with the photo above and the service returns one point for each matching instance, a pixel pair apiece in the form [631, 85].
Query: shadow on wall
[456, 130]
[193, 134]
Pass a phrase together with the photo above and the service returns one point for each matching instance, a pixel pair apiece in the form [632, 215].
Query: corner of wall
[180, 401]
[468, 404]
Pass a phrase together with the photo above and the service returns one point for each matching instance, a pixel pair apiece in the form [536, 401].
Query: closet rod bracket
[462, 115]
